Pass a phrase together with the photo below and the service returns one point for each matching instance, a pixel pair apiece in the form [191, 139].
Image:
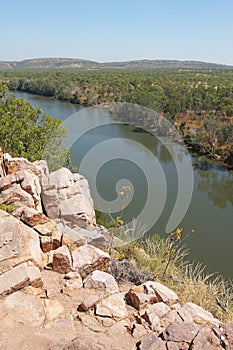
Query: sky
[117, 30]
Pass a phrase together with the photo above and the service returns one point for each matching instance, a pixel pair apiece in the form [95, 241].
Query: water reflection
[217, 184]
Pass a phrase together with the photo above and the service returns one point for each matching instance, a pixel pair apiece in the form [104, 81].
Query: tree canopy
[30, 133]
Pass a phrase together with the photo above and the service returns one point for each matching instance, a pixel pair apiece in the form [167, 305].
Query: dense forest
[198, 102]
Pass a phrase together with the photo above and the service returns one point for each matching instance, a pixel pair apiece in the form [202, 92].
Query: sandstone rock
[16, 196]
[31, 185]
[7, 181]
[18, 243]
[101, 281]
[74, 283]
[72, 275]
[227, 337]
[53, 309]
[98, 237]
[112, 306]
[89, 342]
[161, 292]
[48, 243]
[50, 200]
[88, 258]
[61, 178]
[200, 315]
[172, 345]
[181, 332]
[138, 299]
[19, 277]
[206, 339]
[151, 342]
[21, 308]
[119, 331]
[91, 322]
[154, 313]
[42, 167]
[61, 260]
[32, 217]
[89, 302]
[13, 165]
[47, 229]
[72, 238]
[139, 331]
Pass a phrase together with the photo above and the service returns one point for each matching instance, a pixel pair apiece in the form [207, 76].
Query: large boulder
[18, 243]
[20, 184]
[67, 196]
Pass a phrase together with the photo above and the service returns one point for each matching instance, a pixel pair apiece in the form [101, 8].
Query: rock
[139, 331]
[61, 178]
[206, 339]
[89, 302]
[88, 341]
[7, 181]
[19, 277]
[17, 197]
[74, 283]
[151, 342]
[154, 313]
[88, 258]
[50, 200]
[72, 275]
[227, 336]
[159, 309]
[12, 165]
[172, 345]
[18, 243]
[61, 260]
[119, 331]
[48, 243]
[31, 185]
[138, 299]
[98, 237]
[183, 332]
[53, 309]
[32, 217]
[101, 281]
[200, 315]
[72, 238]
[112, 306]
[42, 167]
[161, 292]
[47, 229]
[21, 308]
[75, 203]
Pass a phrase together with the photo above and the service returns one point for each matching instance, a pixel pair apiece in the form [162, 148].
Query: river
[210, 211]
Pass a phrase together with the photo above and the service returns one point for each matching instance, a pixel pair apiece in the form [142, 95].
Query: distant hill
[53, 63]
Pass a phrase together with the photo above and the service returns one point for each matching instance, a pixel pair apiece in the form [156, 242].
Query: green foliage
[30, 133]
[9, 208]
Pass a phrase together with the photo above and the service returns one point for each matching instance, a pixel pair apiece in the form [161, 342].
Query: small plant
[9, 208]
[175, 247]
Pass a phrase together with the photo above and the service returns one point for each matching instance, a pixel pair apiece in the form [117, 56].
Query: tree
[30, 133]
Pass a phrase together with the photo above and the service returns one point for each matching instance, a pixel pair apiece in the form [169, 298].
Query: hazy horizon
[116, 31]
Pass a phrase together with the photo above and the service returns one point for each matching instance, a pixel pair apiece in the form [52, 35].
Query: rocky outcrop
[56, 288]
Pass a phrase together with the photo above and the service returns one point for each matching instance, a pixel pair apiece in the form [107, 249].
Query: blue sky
[109, 30]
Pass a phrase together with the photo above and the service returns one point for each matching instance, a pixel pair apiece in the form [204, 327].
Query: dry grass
[189, 281]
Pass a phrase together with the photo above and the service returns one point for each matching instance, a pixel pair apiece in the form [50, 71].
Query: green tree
[30, 133]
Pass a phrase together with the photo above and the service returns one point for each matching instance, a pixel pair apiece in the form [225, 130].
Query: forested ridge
[198, 102]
